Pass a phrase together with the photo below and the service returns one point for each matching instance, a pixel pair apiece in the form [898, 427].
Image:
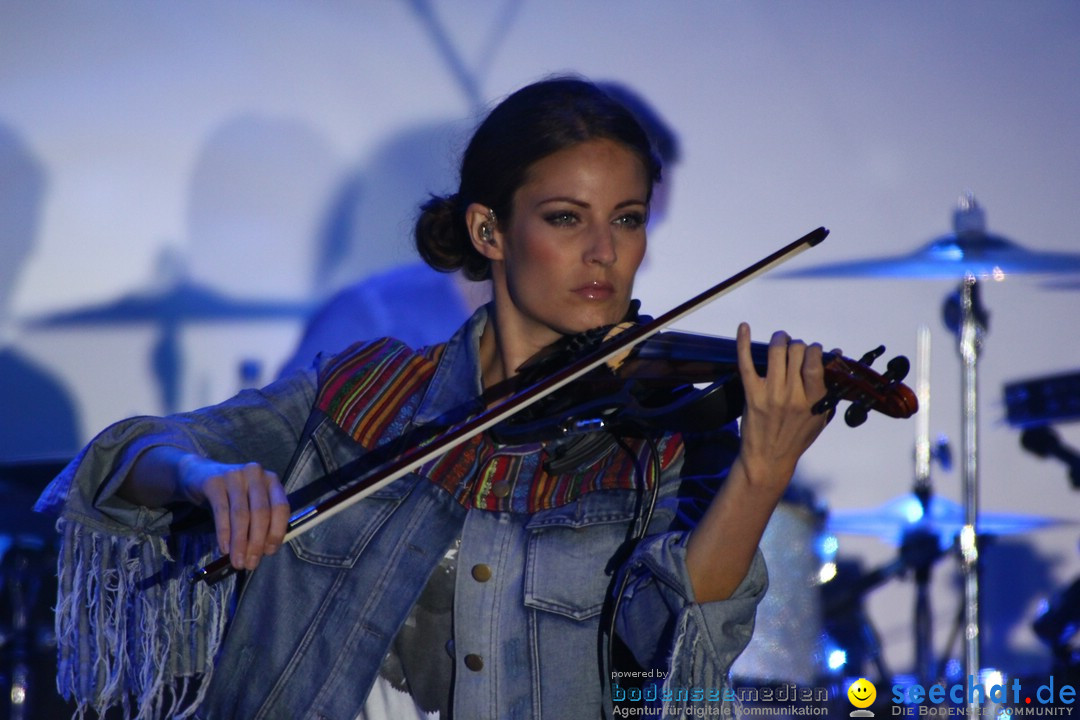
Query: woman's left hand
[778, 423]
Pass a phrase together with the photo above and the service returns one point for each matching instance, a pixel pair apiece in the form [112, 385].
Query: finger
[796, 357]
[239, 513]
[279, 515]
[813, 372]
[259, 517]
[776, 378]
[747, 371]
[218, 498]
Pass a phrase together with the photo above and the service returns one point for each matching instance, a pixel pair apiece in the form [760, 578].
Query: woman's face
[574, 242]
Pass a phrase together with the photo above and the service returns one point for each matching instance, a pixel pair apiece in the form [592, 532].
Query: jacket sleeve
[693, 644]
[133, 630]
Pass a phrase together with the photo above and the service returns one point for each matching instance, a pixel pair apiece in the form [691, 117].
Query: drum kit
[27, 593]
[815, 591]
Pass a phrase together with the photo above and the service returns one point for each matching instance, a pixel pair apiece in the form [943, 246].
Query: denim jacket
[304, 634]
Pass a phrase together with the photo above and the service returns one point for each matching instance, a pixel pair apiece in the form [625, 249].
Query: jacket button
[474, 662]
[500, 489]
[481, 573]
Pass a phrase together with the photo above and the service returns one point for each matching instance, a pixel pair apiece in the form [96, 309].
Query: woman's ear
[484, 231]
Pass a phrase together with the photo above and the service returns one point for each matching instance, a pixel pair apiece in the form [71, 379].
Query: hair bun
[443, 240]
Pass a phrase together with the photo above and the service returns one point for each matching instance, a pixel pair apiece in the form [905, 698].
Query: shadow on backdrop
[38, 432]
[368, 235]
[37, 415]
[259, 189]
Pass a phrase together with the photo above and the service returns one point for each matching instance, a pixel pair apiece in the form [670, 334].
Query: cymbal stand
[970, 330]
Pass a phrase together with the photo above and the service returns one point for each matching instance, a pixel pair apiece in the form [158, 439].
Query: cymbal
[184, 301]
[968, 249]
[952, 257]
[945, 518]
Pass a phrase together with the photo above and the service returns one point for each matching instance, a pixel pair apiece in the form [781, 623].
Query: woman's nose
[601, 247]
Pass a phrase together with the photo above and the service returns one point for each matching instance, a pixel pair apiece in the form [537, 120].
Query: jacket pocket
[570, 552]
[339, 541]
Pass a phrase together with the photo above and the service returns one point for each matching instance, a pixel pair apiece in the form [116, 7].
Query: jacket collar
[456, 382]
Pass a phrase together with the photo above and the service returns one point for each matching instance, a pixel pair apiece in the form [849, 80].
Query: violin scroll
[866, 389]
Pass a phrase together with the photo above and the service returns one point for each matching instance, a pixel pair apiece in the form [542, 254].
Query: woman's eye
[560, 219]
[632, 220]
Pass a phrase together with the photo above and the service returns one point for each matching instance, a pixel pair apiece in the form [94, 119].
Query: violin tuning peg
[871, 356]
[897, 369]
[856, 414]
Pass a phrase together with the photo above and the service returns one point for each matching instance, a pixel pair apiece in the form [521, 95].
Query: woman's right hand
[248, 502]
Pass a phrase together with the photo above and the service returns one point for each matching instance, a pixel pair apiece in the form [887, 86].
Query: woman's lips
[595, 290]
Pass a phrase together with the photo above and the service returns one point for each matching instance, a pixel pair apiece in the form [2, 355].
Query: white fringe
[133, 630]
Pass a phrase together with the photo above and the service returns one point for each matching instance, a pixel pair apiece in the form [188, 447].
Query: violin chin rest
[577, 451]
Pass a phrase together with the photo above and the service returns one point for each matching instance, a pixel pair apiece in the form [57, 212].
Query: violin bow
[309, 517]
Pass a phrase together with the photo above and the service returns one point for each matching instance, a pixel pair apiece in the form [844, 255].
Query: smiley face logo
[862, 693]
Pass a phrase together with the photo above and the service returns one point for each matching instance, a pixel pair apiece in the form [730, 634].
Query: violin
[592, 352]
[683, 382]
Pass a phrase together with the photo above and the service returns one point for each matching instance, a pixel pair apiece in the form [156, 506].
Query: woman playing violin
[489, 583]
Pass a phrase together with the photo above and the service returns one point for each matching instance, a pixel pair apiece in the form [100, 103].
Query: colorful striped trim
[501, 478]
[372, 392]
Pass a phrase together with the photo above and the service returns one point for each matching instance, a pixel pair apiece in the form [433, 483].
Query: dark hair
[529, 125]
[664, 141]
